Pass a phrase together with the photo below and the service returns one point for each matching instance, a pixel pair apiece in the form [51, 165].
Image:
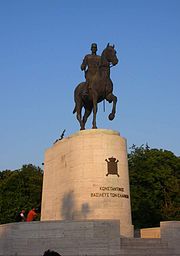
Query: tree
[154, 183]
[19, 189]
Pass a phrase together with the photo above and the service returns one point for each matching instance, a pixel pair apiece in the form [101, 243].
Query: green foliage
[19, 189]
[154, 182]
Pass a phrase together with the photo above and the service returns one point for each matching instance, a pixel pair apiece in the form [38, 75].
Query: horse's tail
[74, 111]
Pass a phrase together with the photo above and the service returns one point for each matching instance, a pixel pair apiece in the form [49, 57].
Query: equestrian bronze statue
[98, 85]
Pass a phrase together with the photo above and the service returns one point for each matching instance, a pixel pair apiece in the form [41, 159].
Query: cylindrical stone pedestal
[86, 177]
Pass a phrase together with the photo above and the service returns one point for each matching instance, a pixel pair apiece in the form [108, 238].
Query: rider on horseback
[98, 85]
[90, 65]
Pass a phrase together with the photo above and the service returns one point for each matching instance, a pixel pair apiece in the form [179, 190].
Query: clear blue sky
[42, 46]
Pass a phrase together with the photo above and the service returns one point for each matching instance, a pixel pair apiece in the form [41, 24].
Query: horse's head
[110, 54]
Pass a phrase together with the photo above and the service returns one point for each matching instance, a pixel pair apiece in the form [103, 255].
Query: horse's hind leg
[79, 117]
[86, 115]
[112, 98]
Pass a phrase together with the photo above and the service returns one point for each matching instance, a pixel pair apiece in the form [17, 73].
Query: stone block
[81, 183]
[150, 233]
[66, 237]
[170, 232]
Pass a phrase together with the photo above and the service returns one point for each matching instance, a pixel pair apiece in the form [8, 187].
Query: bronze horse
[100, 88]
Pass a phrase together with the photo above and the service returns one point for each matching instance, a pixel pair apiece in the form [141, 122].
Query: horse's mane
[103, 58]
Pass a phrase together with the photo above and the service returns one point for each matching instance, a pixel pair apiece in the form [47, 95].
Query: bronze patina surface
[98, 85]
[91, 63]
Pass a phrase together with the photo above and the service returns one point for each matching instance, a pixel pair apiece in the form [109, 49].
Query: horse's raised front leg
[112, 98]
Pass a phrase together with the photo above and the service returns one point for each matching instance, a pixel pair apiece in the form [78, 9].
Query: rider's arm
[84, 63]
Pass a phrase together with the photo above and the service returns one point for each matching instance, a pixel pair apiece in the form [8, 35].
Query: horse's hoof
[94, 127]
[111, 116]
[82, 128]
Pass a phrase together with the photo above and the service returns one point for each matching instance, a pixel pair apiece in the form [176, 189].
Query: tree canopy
[19, 189]
[154, 183]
